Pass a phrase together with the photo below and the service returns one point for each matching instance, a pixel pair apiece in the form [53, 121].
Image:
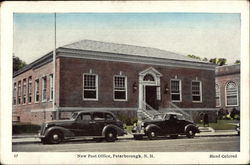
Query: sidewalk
[31, 138]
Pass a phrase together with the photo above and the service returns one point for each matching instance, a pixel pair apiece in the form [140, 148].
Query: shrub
[126, 119]
[25, 128]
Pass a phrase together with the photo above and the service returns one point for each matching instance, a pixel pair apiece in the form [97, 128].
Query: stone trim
[95, 109]
[44, 110]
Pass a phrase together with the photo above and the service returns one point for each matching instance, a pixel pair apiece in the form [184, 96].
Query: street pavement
[203, 142]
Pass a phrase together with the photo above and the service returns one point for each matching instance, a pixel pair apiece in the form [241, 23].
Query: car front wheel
[55, 137]
[190, 133]
[110, 135]
[152, 134]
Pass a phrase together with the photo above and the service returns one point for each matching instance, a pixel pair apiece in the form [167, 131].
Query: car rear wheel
[110, 135]
[138, 137]
[55, 137]
[152, 134]
[190, 133]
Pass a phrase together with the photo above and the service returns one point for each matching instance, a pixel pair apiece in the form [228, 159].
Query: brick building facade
[93, 75]
[228, 87]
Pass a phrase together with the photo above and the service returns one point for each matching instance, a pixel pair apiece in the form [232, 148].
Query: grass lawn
[129, 128]
[221, 125]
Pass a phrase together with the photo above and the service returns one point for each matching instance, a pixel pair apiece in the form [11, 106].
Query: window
[98, 116]
[120, 88]
[217, 95]
[84, 117]
[14, 94]
[37, 90]
[148, 77]
[231, 94]
[19, 92]
[24, 91]
[44, 89]
[176, 90]
[51, 87]
[30, 90]
[90, 90]
[109, 117]
[196, 91]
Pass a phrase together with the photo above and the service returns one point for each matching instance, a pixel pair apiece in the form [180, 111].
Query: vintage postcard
[125, 82]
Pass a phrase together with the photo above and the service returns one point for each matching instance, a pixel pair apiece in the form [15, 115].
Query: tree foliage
[237, 62]
[217, 61]
[18, 64]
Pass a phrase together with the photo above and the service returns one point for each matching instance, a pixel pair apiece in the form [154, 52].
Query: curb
[124, 138]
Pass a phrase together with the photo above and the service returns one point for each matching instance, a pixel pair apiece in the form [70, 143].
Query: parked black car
[96, 124]
[172, 124]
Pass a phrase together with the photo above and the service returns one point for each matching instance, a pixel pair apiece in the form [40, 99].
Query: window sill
[175, 101]
[120, 100]
[196, 101]
[90, 99]
[232, 105]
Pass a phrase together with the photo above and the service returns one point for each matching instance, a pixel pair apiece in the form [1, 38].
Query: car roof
[173, 113]
[99, 111]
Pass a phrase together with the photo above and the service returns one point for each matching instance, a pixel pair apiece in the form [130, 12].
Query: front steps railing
[148, 112]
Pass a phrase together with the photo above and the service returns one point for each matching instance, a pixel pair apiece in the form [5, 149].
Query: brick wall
[71, 84]
[26, 111]
[224, 75]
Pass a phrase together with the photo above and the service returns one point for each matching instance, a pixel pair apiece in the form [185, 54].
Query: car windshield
[74, 115]
[159, 116]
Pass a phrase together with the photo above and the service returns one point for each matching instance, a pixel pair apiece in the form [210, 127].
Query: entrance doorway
[151, 96]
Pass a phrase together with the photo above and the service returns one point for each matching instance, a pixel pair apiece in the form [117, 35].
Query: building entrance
[151, 98]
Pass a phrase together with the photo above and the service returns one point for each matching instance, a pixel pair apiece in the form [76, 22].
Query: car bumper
[40, 136]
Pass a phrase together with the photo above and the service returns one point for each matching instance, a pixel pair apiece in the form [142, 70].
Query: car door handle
[91, 122]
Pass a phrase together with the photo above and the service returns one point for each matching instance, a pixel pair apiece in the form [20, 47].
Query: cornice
[73, 53]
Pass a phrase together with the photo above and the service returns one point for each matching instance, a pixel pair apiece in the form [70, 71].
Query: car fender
[152, 126]
[119, 130]
[66, 132]
[192, 126]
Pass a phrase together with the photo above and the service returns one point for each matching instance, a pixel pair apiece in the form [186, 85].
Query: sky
[207, 35]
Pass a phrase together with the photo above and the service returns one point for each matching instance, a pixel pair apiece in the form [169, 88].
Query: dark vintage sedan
[171, 124]
[96, 124]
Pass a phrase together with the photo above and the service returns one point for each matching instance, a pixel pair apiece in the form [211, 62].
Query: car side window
[167, 117]
[109, 117]
[173, 117]
[98, 116]
[84, 117]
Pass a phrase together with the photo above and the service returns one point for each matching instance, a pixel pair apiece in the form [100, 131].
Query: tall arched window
[217, 92]
[231, 94]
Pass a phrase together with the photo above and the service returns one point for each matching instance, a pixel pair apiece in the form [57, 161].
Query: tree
[205, 59]
[193, 56]
[237, 62]
[213, 60]
[18, 64]
[219, 61]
